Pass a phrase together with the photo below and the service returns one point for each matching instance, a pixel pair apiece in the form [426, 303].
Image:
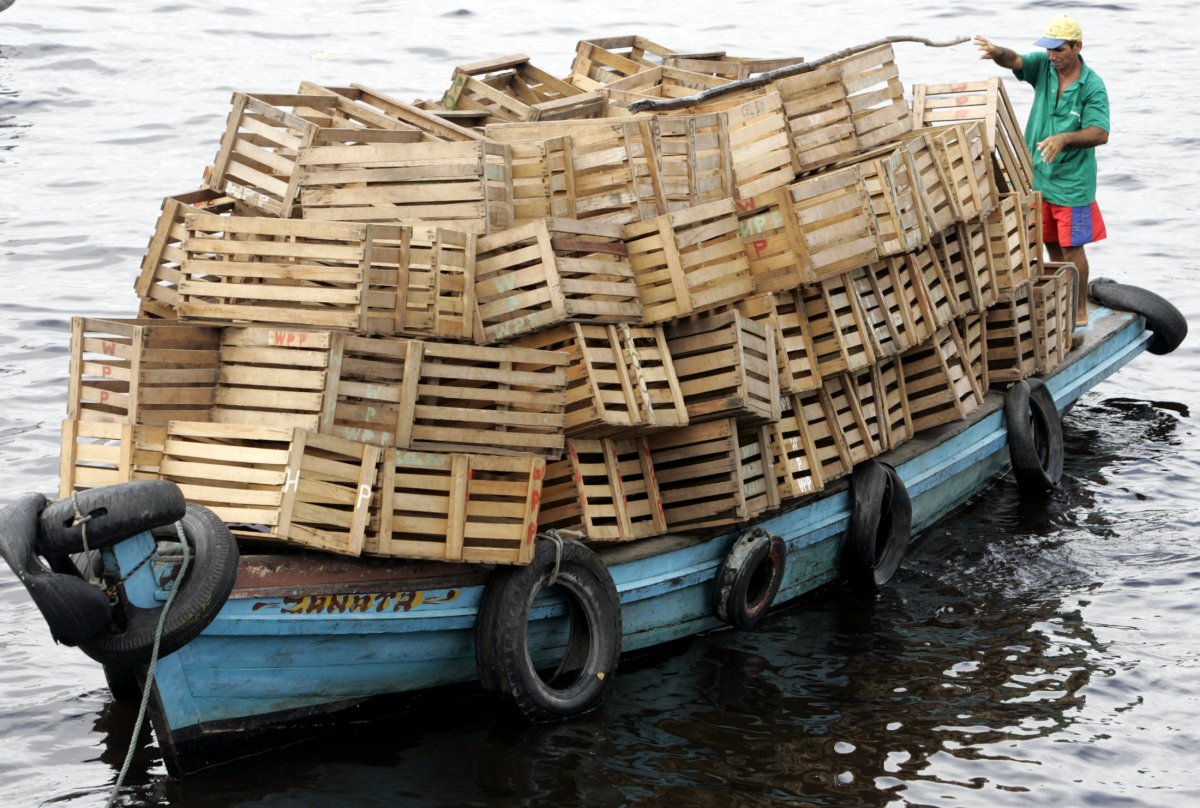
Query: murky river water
[1022, 657]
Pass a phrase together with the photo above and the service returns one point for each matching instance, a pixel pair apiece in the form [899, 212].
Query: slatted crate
[1012, 349]
[99, 453]
[141, 371]
[435, 284]
[985, 102]
[895, 206]
[553, 271]
[688, 262]
[934, 186]
[620, 378]
[722, 65]
[656, 82]
[599, 62]
[796, 356]
[542, 182]
[834, 214]
[854, 414]
[905, 301]
[775, 247]
[702, 476]
[963, 156]
[838, 328]
[881, 314]
[819, 119]
[1054, 315]
[511, 88]
[875, 94]
[157, 284]
[1014, 232]
[924, 267]
[377, 108]
[726, 364]
[604, 488]
[613, 174]
[283, 484]
[464, 186]
[808, 452]
[259, 269]
[967, 258]
[971, 333]
[456, 507]
[891, 403]
[938, 381]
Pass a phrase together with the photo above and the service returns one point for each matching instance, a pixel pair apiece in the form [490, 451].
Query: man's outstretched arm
[1001, 56]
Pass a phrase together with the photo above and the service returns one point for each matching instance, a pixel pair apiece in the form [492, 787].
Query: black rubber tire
[123, 684]
[1035, 438]
[75, 610]
[593, 648]
[749, 578]
[118, 512]
[880, 526]
[208, 582]
[1167, 322]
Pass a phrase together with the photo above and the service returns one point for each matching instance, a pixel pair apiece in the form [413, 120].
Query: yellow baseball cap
[1058, 31]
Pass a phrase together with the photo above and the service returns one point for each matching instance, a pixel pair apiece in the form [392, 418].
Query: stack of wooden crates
[429, 330]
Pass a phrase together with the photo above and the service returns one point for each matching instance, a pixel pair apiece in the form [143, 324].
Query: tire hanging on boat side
[880, 526]
[502, 652]
[749, 578]
[1166, 321]
[1035, 438]
[116, 512]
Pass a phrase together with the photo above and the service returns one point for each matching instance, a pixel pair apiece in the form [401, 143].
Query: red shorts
[1072, 227]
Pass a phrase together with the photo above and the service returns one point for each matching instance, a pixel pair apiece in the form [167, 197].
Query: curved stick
[662, 104]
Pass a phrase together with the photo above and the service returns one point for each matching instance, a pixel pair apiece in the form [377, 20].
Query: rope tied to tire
[555, 537]
[80, 520]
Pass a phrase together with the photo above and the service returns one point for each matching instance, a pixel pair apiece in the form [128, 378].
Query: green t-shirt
[1071, 178]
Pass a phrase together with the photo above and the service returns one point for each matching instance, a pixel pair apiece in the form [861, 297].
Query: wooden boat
[302, 638]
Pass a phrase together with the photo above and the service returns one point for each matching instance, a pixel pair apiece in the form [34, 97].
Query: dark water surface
[1024, 656]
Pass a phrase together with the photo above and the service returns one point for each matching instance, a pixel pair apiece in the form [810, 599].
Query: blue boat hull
[286, 649]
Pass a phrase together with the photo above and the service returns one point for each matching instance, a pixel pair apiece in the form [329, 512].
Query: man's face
[1065, 56]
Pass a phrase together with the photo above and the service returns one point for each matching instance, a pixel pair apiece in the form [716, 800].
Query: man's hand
[1050, 147]
[986, 49]
[1001, 56]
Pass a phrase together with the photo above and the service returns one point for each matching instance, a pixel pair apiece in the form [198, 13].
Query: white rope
[82, 519]
[556, 537]
[162, 620]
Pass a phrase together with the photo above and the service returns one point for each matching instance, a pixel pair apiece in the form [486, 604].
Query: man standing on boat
[1068, 121]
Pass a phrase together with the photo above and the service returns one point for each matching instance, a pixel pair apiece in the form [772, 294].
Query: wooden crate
[760, 486]
[807, 451]
[891, 403]
[157, 284]
[542, 180]
[141, 371]
[938, 381]
[383, 108]
[456, 507]
[604, 488]
[881, 312]
[904, 301]
[727, 367]
[97, 453]
[967, 261]
[510, 88]
[820, 125]
[875, 94]
[774, 245]
[1052, 297]
[688, 262]
[854, 415]
[971, 333]
[1014, 232]
[934, 185]
[838, 328]
[464, 186]
[613, 174]
[258, 269]
[599, 62]
[1012, 349]
[892, 186]
[924, 267]
[435, 284]
[985, 102]
[658, 83]
[963, 156]
[620, 378]
[702, 476]
[287, 485]
[795, 354]
[553, 271]
[722, 65]
[834, 214]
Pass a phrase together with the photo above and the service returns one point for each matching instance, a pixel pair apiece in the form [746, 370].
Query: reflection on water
[1026, 655]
